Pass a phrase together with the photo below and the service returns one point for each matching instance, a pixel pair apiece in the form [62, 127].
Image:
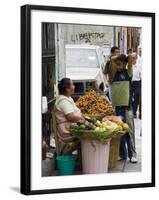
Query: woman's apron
[62, 124]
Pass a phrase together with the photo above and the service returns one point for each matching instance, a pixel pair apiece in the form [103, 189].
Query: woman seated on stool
[66, 112]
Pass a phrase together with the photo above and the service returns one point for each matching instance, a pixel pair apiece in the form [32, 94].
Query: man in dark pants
[136, 85]
[136, 90]
[122, 98]
[124, 151]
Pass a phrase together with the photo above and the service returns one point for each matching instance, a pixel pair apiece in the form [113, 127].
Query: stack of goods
[90, 128]
[93, 105]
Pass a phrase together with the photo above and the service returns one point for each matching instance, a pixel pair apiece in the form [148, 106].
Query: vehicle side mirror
[44, 105]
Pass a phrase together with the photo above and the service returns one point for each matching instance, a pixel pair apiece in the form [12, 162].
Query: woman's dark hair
[122, 58]
[113, 49]
[63, 85]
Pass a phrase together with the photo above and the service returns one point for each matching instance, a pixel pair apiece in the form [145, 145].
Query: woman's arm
[67, 108]
[106, 68]
[73, 117]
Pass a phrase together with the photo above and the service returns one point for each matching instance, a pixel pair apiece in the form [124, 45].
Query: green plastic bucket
[66, 164]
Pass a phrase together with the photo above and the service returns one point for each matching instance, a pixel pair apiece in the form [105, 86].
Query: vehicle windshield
[81, 57]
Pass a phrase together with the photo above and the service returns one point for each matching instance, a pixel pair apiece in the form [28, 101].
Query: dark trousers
[125, 147]
[125, 142]
[136, 96]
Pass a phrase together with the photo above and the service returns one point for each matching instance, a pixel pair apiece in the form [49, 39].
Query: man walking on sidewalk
[136, 85]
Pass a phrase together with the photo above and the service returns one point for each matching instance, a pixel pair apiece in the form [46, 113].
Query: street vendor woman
[66, 112]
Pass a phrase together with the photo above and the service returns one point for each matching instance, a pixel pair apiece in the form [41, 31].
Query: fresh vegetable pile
[90, 128]
[94, 105]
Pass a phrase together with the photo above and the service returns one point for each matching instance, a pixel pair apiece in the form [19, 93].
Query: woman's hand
[72, 117]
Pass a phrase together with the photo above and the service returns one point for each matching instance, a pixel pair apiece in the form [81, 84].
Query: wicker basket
[90, 135]
[114, 151]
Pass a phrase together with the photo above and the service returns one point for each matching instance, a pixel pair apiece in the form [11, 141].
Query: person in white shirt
[136, 85]
[139, 56]
[139, 60]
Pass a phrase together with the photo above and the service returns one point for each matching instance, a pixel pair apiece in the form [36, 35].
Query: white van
[84, 65]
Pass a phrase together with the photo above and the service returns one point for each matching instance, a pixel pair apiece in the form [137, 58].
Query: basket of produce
[93, 129]
[94, 106]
